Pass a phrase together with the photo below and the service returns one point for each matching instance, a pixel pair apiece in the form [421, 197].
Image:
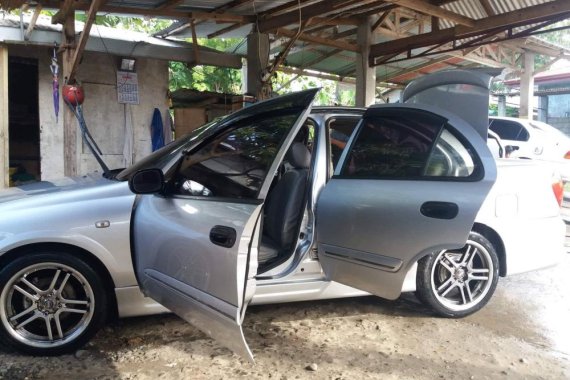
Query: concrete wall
[559, 105]
[106, 119]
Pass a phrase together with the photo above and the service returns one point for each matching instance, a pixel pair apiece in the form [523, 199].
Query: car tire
[51, 303]
[457, 283]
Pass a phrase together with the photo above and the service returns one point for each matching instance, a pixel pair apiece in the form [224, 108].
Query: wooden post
[4, 119]
[69, 120]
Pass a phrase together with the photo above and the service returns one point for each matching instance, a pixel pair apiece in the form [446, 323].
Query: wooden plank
[434, 10]
[498, 23]
[78, 51]
[4, 119]
[225, 30]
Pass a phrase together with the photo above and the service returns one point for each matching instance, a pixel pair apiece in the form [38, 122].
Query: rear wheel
[456, 283]
[50, 303]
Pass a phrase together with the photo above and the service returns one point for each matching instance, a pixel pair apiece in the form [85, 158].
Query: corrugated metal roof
[305, 55]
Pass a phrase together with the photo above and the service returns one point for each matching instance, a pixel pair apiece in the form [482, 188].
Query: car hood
[71, 189]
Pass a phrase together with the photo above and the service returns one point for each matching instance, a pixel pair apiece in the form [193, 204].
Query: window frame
[171, 175]
[478, 171]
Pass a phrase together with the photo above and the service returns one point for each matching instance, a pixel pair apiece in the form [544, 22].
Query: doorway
[24, 125]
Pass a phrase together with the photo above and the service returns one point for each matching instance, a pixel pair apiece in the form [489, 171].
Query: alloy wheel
[46, 305]
[460, 279]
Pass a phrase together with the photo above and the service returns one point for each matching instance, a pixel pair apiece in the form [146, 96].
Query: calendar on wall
[127, 87]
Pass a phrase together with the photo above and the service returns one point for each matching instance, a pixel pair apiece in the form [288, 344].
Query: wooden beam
[4, 119]
[318, 40]
[83, 5]
[225, 30]
[64, 10]
[33, 21]
[434, 10]
[487, 7]
[380, 20]
[168, 4]
[294, 70]
[195, 47]
[70, 146]
[498, 23]
[296, 16]
[78, 51]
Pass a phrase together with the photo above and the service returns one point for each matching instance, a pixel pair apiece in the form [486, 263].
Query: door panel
[200, 281]
[372, 223]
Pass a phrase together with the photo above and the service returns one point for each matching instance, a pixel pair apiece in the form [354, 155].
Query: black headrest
[299, 156]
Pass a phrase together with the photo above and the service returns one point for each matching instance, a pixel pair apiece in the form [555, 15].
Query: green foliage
[331, 92]
[207, 78]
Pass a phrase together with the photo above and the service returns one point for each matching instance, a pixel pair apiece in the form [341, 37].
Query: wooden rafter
[434, 10]
[380, 20]
[296, 16]
[497, 24]
[78, 53]
[318, 40]
[168, 4]
[487, 7]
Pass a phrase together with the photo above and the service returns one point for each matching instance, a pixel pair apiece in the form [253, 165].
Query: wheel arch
[83, 254]
[493, 237]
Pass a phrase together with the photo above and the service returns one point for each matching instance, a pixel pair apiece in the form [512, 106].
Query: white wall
[105, 117]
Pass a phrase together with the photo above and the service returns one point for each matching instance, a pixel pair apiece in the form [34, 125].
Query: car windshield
[164, 155]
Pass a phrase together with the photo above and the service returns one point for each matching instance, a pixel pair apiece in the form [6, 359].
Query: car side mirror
[147, 181]
[510, 149]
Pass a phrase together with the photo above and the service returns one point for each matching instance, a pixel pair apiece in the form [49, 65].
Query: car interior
[285, 203]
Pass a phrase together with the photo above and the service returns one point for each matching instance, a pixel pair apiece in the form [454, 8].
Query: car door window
[450, 158]
[339, 131]
[393, 145]
[235, 163]
[509, 130]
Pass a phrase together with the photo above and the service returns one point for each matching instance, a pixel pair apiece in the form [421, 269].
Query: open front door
[195, 245]
[410, 182]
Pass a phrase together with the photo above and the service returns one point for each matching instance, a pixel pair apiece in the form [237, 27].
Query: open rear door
[410, 182]
[195, 244]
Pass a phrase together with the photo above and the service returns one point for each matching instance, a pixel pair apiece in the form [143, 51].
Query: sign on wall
[127, 87]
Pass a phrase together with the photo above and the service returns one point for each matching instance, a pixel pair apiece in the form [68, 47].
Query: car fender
[121, 272]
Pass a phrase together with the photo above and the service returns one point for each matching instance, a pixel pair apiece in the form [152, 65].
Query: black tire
[462, 290]
[72, 306]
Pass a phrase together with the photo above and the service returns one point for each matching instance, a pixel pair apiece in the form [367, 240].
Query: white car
[535, 140]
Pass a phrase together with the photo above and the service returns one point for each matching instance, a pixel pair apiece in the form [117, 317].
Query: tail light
[567, 155]
[558, 189]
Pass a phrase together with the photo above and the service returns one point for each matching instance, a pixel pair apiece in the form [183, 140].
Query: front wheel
[456, 283]
[50, 303]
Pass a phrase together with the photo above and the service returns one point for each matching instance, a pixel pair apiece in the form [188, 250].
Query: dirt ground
[522, 334]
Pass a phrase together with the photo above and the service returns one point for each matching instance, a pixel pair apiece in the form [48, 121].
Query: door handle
[223, 236]
[440, 210]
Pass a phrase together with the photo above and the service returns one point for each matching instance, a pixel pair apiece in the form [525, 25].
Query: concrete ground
[522, 334]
